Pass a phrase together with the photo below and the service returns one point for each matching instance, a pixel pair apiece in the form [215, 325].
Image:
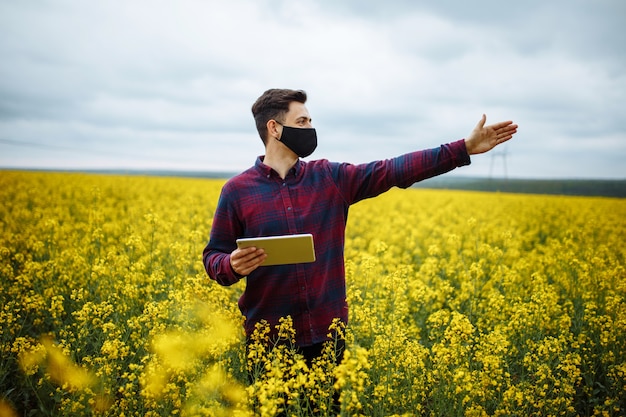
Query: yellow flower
[63, 371]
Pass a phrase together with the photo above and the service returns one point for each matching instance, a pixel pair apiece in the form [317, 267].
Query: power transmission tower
[503, 154]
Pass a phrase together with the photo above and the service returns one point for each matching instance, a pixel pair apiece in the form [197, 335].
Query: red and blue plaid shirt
[313, 198]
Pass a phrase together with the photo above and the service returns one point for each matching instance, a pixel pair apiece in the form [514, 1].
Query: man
[281, 194]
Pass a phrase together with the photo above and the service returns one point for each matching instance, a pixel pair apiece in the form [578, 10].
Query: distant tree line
[596, 188]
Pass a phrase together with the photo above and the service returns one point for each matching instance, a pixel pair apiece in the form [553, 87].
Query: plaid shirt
[313, 198]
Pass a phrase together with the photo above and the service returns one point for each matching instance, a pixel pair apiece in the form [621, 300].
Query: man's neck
[281, 165]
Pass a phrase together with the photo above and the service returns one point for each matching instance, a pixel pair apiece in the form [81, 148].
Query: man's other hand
[244, 261]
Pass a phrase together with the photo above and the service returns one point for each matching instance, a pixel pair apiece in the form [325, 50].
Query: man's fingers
[247, 260]
[249, 257]
[503, 125]
[246, 253]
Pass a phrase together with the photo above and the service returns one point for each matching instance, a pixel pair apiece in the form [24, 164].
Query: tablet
[281, 250]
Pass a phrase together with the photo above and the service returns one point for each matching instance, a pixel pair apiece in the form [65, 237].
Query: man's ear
[272, 129]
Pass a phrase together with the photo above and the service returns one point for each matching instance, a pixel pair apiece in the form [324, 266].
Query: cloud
[163, 84]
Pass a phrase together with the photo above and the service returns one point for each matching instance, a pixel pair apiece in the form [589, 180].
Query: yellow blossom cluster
[461, 304]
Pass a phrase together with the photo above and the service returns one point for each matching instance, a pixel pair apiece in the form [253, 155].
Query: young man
[281, 194]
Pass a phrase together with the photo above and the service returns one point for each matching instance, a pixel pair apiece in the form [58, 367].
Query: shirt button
[302, 288]
[288, 208]
[284, 184]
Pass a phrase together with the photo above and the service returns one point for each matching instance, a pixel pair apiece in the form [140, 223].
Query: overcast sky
[155, 84]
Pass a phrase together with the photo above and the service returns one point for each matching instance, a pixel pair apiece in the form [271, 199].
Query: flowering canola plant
[461, 304]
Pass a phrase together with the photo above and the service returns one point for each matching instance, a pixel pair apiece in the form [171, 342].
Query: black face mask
[302, 141]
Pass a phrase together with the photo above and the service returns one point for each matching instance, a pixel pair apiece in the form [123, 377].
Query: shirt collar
[267, 171]
[263, 169]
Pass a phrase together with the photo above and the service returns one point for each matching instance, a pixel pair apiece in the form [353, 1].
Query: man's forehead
[298, 110]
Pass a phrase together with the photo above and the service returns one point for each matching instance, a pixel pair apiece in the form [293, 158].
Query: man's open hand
[485, 138]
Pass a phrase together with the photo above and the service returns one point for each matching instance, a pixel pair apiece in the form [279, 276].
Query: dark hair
[273, 104]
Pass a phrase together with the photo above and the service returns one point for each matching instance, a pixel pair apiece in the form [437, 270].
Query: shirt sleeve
[358, 182]
[224, 230]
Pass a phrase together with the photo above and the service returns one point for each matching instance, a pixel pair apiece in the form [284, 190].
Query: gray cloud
[153, 84]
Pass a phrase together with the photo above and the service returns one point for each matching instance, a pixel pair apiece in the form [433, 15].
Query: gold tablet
[281, 250]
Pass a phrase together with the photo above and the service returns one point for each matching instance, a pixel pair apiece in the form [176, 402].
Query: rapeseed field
[461, 304]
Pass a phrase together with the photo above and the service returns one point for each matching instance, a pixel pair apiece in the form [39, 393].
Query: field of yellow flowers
[462, 304]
